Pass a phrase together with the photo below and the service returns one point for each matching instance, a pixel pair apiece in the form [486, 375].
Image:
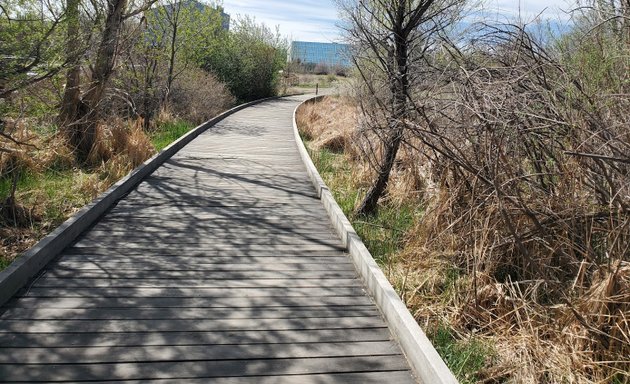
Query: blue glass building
[330, 54]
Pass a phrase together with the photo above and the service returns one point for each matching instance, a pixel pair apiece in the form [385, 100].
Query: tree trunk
[72, 93]
[82, 129]
[174, 24]
[399, 85]
[370, 203]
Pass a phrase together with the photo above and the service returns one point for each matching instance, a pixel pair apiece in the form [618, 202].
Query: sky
[317, 20]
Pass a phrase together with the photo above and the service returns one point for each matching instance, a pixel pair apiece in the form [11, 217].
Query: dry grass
[331, 124]
[120, 147]
[568, 321]
[330, 127]
[49, 185]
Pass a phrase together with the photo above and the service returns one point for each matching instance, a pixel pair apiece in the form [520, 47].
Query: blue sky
[316, 20]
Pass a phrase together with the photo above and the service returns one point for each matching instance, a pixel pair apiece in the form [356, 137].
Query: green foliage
[461, 356]
[31, 41]
[166, 133]
[595, 51]
[58, 188]
[184, 28]
[248, 59]
[4, 263]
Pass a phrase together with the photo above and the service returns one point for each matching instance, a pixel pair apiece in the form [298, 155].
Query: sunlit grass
[166, 133]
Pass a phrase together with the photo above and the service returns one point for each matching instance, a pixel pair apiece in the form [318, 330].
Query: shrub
[197, 96]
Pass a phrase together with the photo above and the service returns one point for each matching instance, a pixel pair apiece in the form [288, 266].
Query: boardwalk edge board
[30, 263]
[425, 361]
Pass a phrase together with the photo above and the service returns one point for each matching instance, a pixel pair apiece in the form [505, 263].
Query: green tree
[248, 59]
[171, 41]
[183, 30]
[31, 43]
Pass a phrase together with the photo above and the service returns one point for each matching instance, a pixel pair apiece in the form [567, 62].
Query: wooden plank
[199, 265]
[241, 337]
[177, 229]
[186, 302]
[53, 282]
[227, 220]
[187, 313]
[92, 326]
[242, 251]
[262, 203]
[258, 256]
[192, 292]
[237, 213]
[200, 369]
[165, 274]
[149, 257]
[264, 219]
[267, 245]
[201, 242]
[390, 377]
[218, 230]
[177, 187]
[115, 354]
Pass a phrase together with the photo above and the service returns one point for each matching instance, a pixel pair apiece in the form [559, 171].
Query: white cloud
[300, 20]
[316, 20]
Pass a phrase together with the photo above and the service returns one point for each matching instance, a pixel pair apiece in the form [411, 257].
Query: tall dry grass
[331, 124]
[120, 147]
[531, 209]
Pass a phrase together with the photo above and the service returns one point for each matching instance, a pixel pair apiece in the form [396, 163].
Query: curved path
[220, 267]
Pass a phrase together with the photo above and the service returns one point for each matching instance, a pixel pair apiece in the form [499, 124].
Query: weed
[464, 357]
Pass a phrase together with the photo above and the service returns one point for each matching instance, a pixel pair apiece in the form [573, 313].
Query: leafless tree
[391, 40]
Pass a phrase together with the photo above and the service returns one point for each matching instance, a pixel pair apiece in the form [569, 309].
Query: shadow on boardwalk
[222, 265]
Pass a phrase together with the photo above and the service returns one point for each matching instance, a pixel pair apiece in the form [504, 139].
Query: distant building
[329, 54]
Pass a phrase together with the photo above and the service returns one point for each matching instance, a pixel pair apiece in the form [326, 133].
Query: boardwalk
[220, 267]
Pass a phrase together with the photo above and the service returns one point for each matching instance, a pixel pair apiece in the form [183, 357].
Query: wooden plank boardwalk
[221, 267]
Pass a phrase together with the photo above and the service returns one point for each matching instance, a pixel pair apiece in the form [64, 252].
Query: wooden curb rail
[27, 266]
[426, 363]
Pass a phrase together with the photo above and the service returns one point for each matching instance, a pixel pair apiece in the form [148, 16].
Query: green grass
[383, 233]
[49, 198]
[54, 192]
[166, 133]
[4, 263]
[463, 357]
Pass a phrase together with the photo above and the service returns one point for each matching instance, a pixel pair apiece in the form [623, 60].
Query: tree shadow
[221, 268]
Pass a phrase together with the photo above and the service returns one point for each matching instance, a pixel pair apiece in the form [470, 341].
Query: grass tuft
[168, 132]
[464, 357]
